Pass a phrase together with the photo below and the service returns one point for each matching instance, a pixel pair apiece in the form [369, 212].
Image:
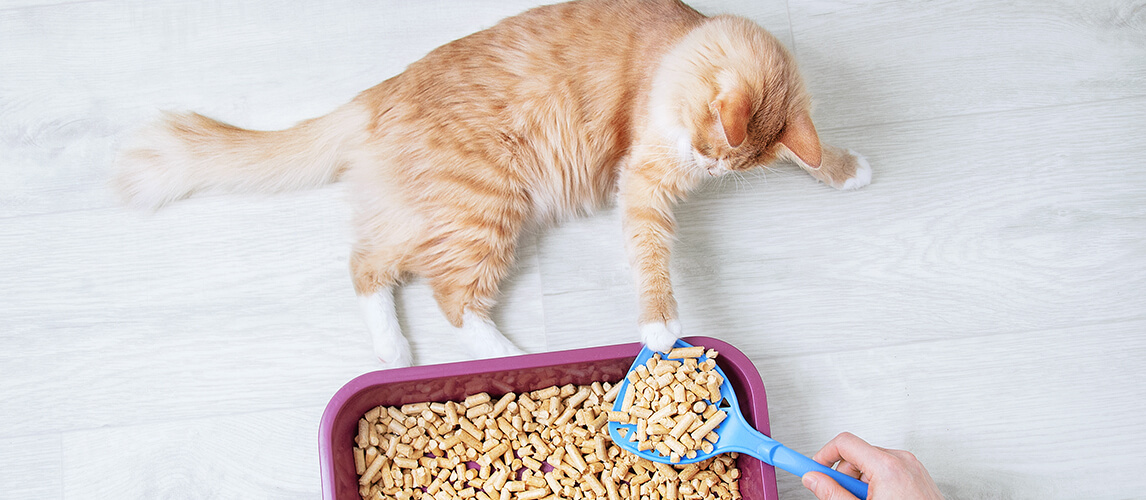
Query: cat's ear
[732, 110]
[799, 136]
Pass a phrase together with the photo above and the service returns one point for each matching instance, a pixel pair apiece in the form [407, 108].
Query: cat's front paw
[660, 337]
[843, 169]
[862, 175]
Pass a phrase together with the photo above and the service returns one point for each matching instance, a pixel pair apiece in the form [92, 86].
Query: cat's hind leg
[467, 305]
[482, 339]
[390, 346]
[465, 283]
[375, 276]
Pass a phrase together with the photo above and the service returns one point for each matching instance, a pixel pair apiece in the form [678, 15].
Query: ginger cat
[548, 114]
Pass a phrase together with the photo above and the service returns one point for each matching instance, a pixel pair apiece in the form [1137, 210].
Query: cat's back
[544, 105]
[568, 36]
[598, 53]
[603, 29]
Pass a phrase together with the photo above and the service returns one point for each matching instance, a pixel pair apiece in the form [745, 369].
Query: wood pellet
[674, 403]
[548, 444]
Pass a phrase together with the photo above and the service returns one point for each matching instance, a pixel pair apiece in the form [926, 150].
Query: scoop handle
[784, 458]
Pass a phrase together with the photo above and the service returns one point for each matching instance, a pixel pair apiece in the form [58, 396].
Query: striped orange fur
[546, 115]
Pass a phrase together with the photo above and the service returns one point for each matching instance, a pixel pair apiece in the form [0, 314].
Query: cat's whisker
[761, 174]
[741, 181]
[724, 180]
[742, 184]
[766, 169]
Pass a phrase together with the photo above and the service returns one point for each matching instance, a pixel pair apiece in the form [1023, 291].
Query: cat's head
[730, 98]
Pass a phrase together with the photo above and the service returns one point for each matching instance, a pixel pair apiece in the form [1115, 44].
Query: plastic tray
[454, 381]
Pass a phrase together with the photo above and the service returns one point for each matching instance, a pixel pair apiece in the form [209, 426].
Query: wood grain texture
[979, 304]
[1052, 414]
[79, 77]
[891, 61]
[119, 307]
[993, 240]
[32, 466]
[262, 455]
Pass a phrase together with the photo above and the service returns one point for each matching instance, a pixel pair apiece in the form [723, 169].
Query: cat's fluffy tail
[185, 153]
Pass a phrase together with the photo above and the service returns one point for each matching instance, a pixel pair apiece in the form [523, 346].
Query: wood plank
[32, 465]
[890, 61]
[272, 454]
[999, 223]
[213, 306]
[1052, 414]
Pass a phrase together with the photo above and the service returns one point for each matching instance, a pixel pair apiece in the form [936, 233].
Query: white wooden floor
[982, 303]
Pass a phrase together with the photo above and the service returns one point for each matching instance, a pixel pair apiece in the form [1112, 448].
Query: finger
[829, 454]
[848, 468]
[825, 488]
[846, 446]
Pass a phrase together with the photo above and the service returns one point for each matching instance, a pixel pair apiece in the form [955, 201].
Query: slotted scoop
[735, 435]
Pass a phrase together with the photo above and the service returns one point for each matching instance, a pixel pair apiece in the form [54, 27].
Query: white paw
[395, 354]
[483, 338]
[498, 350]
[863, 173]
[660, 337]
[390, 346]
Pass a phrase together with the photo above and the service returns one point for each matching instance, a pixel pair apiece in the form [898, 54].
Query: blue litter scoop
[735, 435]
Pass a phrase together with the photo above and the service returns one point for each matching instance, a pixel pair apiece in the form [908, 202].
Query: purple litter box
[455, 381]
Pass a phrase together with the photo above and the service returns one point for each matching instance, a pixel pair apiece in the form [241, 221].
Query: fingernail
[809, 481]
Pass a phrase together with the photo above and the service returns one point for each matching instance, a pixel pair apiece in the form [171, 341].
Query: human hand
[890, 474]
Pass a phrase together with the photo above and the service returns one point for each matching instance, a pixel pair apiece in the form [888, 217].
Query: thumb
[825, 488]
